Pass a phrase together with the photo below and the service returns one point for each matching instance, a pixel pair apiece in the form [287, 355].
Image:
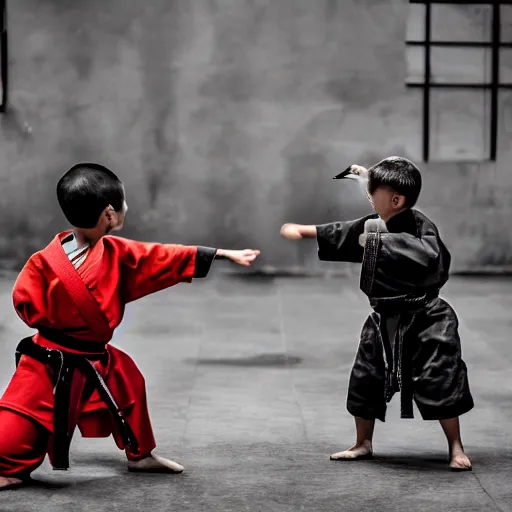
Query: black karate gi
[410, 343]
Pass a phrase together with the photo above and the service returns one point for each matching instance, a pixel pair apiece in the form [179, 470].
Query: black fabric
[410, 343]
[204, 260]
[70, 342]
[426, 365]
[339, 241]
[411, 259]
[63, 365]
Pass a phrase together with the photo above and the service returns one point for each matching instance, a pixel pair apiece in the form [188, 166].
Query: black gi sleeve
[339, 241]
[204, 260]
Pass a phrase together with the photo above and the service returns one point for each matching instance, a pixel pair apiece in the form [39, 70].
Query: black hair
[398, 174]
[86, 190]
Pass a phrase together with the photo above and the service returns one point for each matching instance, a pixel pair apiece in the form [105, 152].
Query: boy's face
[386, 202]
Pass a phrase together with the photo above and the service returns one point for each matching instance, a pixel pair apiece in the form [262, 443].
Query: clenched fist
[290, 231]
[244, 257]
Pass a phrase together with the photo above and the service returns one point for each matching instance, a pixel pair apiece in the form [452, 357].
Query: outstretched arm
[151, 267]
[298, 231]
[244, 257]
[206, 255]
[337, 241]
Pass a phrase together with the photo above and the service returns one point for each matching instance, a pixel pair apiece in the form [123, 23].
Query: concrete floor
[247, 380]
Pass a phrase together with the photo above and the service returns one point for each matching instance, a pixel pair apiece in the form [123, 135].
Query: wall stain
[163, 25]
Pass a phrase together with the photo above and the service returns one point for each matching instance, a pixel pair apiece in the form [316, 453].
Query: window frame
[494, 85]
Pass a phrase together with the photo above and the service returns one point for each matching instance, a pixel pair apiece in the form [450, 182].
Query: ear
[108, 211]
[398, 201]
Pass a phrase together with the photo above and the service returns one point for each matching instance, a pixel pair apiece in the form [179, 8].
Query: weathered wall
[225, 119]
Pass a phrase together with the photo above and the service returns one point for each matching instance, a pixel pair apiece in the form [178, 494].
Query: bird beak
[351, 176]
[345, 174]
[348, 175]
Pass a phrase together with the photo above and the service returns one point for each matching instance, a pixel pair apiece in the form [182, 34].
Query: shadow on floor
[483, 460]
[262, 360]
[408, 462]
[43, 484]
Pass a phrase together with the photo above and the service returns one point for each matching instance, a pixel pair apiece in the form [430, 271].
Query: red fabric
[74, 285]
[117, 271]
[23, 444]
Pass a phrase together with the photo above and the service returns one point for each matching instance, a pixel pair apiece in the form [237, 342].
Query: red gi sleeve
[148, 267]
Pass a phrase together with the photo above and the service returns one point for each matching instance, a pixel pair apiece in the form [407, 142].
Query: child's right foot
[357, 452]
[8, 482]
[459, 461]
[155, 463]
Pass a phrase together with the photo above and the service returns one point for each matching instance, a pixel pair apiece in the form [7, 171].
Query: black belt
[71, 343]
[397, 360]
[401, 303]
[64, 365]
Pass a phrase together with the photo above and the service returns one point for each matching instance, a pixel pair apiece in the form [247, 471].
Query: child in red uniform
[74, 293]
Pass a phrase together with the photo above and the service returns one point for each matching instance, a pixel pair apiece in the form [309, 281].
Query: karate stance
[74, 293]
[410, 343]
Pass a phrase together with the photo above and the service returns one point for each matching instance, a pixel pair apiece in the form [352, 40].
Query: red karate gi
[116, 271]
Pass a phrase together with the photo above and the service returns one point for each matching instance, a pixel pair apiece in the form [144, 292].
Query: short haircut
[86, 190]
[398, 174]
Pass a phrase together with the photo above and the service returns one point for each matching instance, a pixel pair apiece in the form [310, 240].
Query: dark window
[459, 55]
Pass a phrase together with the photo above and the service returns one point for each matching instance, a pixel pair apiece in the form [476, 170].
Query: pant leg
[127, 385]
[137, 417]
[100, 424]
[23, 444]
[366, 390]
[441, 386]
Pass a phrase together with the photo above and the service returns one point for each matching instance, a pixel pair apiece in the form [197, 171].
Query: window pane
[415, 64]
[416, 23]
[410, 121]
[506, 23]
[460, 65]
[459, 125]
[504, 122]
[461, 22]
[506, 65]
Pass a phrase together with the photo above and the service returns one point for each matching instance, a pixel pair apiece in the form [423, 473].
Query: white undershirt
[76, 252]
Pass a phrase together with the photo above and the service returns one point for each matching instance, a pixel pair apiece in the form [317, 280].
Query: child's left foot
[155, 464]
[9, 482]
[460, 462]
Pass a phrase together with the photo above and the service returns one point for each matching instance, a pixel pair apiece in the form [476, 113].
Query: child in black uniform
[410, 343]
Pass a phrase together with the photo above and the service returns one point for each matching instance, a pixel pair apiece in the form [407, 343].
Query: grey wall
[226, 118]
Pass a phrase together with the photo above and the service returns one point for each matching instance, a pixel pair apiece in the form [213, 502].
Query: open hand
[244, 257]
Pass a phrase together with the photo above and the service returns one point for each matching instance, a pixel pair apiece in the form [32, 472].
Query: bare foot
[460, 462]
[155, 464]
[9, 482]
[357, 452]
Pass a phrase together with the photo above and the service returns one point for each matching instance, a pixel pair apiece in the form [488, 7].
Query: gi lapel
[56, 258]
